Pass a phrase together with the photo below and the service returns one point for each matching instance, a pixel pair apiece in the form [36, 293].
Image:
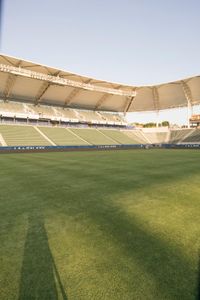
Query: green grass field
[100, 225]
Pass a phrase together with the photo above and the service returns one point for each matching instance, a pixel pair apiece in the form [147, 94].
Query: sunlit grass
[100, 225]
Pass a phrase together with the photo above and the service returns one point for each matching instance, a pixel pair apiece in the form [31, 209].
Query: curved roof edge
[25, 80]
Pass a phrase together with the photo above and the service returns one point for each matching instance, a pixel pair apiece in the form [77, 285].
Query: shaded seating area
[62, 136]
[17, 135]
[136, 136]
[118, 136]
[94, 136]
[177, 136]
[194, 137]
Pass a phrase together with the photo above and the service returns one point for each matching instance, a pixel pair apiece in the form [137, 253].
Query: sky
[135, 42]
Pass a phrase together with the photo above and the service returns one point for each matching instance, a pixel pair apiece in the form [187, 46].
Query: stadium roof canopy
[22, 80]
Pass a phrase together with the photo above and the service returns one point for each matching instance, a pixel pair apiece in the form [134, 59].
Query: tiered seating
[136, 136]
[194, 137]
[118, 136]
[12, 107]
[62, 136]
[111, 118]
[177, 136]
[65, 113]
[161, 137]
[140, 135]
[22, 136]
[151, 136]
[94, 136]
[156, 137]
[90, 116]
[42, 110]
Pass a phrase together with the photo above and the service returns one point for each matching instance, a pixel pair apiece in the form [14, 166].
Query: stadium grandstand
[99, 169]
[72, 223]
[43, 106]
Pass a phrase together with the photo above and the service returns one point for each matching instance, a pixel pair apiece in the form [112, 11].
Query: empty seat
[136, 136]
[22, 136]
[194, 137]
[62, 136]
[94, 136]
[177, 136]
[118, 136]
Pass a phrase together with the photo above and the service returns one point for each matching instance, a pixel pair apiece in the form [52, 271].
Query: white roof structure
[22, 80]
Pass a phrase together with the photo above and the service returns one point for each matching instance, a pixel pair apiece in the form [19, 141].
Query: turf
[100, 225]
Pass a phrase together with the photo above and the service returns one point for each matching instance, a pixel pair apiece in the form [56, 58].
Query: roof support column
[157, 118]
[45, 86]
[128, 104]
[73, 94]
[10, 83]
[188, 96]
[189, 113]
[102, 100]
[156, 104]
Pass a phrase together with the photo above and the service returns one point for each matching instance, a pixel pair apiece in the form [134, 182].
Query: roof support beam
[155, 98]
[62, 81]
[188, 95]
[128, 104]
[102, 100]
[41, 92]
[187, 91]
[71, 96]
[43, 89]
[10, 83]
[156, 103]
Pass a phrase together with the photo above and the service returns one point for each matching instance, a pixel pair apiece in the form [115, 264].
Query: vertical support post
[188, 95]
[156, 99]
[157, 118]
[189, 113]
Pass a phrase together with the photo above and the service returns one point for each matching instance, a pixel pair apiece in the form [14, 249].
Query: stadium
[77, 196]
[99, 193]
[46, 107]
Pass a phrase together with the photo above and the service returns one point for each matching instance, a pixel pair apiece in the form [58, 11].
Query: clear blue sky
[133, 42]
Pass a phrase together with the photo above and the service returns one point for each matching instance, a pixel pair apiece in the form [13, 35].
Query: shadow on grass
[39, 276]
[174, 275]
[198, 282]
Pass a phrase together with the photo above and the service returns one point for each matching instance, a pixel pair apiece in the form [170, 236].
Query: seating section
[65, 113]
[62, 136]
[53, 113]
[178, 136]
[12, 108]
[94, 136]
[15, 135]
[136, 136]
[161, 137]
[24, 135]
[42, 110]
[90, 116]
[112, 118]
[118, 136]
[194, 137]
[156, 137]
[151, 136]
